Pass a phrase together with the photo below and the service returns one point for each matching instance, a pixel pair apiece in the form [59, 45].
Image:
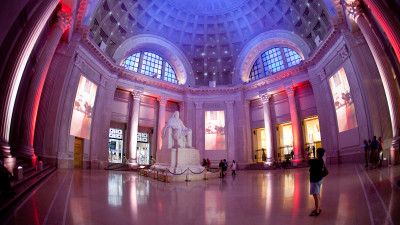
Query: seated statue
[175, 134]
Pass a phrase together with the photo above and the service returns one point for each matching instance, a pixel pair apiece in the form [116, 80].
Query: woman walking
[316, 180]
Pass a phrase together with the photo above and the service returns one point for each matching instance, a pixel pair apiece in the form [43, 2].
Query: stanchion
[187, 175]
[205, 174]
[154, 173]
[166, 176]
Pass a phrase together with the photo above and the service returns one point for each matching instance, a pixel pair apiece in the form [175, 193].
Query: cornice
[131, 76]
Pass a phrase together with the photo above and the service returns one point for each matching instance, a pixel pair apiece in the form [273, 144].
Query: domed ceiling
[211, 33]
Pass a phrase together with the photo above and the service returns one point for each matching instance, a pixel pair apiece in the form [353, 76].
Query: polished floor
[350, 194]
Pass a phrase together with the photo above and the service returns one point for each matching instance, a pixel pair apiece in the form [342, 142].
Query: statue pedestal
[177, 160]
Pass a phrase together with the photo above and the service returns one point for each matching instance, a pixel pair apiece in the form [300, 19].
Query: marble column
[387, 22]
[296, 125]
[230, 129]
[133, 129]
[266, 97]
[36, 86]
[199, 125]
[182, 112]
[162, 100]
[249, 154]
[389, 84]
[11, 78]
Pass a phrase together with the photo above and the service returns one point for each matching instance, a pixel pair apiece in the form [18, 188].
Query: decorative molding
[80, 62]
[64, 20]
[162, 100]
[289, 90]
[198, 105]
[344, 52]
[322, 74]
[354, 9]
[265, 97]
[137, 94]
[229, 104]
[103, 81]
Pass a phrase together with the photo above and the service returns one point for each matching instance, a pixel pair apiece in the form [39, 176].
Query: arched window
[274, 60]
[150, 64]
[132, 62]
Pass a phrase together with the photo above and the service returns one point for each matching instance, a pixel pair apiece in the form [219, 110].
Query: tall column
[182, 112]
[266, 97]
[199, 124]
[389, 84]
[249, 154]
[162, 100]
[231, 131]
[15, 67]
[36, 85]
[133, 129]
[296, 125]
[388, 23]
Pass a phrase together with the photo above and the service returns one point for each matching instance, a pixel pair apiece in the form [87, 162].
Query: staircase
[31, 176]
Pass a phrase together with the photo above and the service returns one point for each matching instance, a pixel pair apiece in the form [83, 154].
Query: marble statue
[175, 134]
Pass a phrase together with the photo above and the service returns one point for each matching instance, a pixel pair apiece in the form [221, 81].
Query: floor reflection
[350, 195]
[115, 192]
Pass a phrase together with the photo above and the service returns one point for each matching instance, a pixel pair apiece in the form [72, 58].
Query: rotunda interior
[88, 84]
[87, 87]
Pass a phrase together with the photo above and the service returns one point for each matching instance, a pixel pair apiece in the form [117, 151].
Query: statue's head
[176, 114]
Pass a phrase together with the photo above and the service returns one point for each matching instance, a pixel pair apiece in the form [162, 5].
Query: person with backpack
[317, 172]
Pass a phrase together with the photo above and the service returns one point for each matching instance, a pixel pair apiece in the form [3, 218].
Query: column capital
[354, 9]
[322, 74]
[229, 104]
[162, 100]
[265, 97]
[64, 20]
[289, 90]
[103, 80]
[181, 105]
[198, 105]
[137, 94]
[79, 62]
[344, 52]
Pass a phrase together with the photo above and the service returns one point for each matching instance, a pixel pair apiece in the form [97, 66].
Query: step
[23, 186]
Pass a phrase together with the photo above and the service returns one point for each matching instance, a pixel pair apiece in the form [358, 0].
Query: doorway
[259, 145]
[78, 152]
[285, 141]
[312, 135]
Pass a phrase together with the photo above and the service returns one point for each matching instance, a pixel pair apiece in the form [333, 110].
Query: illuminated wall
[344, 105]
[215, 130]
[83, 109]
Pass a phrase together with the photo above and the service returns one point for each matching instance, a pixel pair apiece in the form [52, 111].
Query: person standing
[366, 149]
[380, 151]
[221, 167]
[208, 163]
[316, 180]
[374, 152]
[233, 168]
[225, 167]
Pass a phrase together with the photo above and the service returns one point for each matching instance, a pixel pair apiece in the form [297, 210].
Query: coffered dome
[211, 33]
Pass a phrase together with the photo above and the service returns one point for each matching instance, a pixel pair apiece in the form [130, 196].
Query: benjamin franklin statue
[175, 134]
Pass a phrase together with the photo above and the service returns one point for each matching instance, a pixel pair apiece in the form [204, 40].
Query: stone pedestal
[177, 160]
[394, 153]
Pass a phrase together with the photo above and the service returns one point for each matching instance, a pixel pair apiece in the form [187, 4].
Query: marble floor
[350, 194]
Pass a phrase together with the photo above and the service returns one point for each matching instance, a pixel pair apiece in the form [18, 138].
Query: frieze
[214, 105]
